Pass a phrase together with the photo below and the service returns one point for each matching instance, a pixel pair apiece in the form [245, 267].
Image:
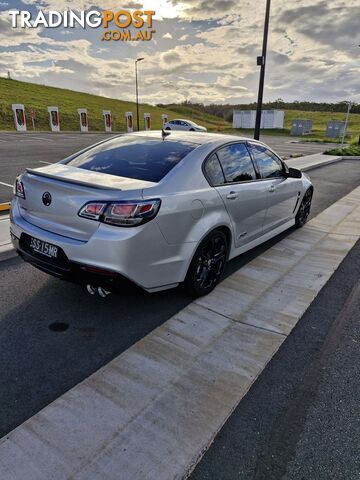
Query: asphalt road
[39, 364]
[18, 151]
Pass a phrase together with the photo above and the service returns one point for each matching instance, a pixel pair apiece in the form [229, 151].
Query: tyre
[207, 265]
[304, 209]
[167, 128]
[192, 130]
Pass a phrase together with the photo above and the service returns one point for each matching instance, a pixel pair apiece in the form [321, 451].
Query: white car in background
[187, 125]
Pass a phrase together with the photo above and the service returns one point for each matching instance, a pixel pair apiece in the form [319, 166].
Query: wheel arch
[223, 228]
[228, 234]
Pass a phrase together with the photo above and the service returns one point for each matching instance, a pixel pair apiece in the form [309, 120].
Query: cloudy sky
[203, 50]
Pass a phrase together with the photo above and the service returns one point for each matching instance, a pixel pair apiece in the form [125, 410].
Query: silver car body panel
[155, 255]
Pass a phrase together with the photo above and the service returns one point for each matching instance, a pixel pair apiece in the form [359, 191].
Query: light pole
[346, 123]
[137, 92]
[261, 61]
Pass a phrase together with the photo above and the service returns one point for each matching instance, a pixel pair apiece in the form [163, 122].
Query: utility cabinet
[334, 129]
[301, 127]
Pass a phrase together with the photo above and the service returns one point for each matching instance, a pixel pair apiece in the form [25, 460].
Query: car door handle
[271, 188]
[232, 195]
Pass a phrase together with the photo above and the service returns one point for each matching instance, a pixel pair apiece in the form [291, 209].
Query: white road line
[152, 411]
[6, 184]
[47, 163]
[43, 139]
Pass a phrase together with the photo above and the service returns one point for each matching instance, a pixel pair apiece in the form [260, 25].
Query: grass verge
[350, 151]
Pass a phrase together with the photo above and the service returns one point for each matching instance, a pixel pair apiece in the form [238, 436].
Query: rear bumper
[139, 254]
[73, 271]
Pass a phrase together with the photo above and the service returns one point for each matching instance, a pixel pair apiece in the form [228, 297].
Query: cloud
[167, 35]
[204, 9]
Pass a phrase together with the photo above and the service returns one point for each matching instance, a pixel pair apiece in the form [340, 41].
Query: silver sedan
[157, 208]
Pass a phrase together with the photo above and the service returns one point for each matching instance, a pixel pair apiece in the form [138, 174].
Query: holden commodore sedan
[187, 125]
[158, 209]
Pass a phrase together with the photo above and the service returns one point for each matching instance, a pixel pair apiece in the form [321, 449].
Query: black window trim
[214, 154]
[284, 167]
[226, 184]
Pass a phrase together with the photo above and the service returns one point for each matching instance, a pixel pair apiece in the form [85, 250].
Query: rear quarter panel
[189, 216]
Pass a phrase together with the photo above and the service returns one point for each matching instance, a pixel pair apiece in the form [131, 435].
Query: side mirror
[294, 173]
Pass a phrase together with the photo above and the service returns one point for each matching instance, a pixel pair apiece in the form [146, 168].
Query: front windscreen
[137, 157]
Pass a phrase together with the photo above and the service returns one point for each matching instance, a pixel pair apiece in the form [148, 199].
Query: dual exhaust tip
[97, 290]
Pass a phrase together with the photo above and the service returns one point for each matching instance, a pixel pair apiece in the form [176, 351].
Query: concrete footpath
[303, 163]
[153, 411]
[6, 250]
[311, 161]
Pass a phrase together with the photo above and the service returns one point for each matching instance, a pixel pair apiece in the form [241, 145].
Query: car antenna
[164, 134]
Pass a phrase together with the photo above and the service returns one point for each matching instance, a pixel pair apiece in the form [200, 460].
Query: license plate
[44, 248]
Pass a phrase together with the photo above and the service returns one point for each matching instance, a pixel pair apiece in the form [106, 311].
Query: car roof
[182, 120]
[200, 138]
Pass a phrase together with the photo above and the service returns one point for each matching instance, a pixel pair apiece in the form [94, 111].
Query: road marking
[47, 163]
[4, 207]
[6, 184]
[44, 139]
[152, 412]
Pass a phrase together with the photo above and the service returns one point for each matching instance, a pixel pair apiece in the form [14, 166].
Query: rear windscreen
[134, 157]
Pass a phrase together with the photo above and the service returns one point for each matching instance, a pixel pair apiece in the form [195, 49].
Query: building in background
[269, 119]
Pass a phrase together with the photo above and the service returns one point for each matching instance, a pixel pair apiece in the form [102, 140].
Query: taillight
[19, 190]
[93, 210]
[121, 214]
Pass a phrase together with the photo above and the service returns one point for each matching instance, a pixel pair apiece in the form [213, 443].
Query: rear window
[142, 158]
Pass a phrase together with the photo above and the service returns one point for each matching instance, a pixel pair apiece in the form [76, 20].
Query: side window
[213, 171]
[268, 164]
[236, 163]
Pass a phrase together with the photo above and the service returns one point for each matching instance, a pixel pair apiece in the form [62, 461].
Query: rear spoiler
[38, 173]
[88, 178]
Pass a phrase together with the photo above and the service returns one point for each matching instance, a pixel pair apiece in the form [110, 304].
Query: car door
[231, 171]
[282, 192]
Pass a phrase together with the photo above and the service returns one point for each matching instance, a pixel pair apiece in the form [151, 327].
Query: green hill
[39, 97]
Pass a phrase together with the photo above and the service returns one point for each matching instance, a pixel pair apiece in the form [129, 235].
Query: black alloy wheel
[208, 264]
[304, 209]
